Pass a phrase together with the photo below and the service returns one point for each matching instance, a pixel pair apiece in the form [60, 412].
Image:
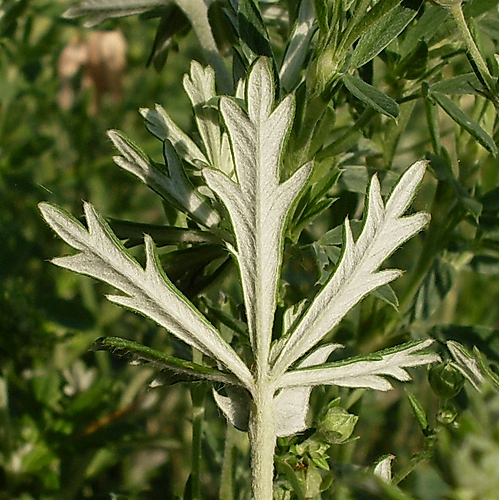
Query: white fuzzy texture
[147, 291]
[258, 203]
[369, 373]
[357, 272]
[175, 186]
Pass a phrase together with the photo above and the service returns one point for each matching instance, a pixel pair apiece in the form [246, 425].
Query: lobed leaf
[258, 203]
[356, 275]
[174, 187]
[147, 290]
[367, 372]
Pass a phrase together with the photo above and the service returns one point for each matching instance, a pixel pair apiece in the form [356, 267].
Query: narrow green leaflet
[298, 46]
[357, 274]
[252, 30]
[369, 372]
[371, 96]
[133, 234]
[185, 370]
[147, 290]
[258, 203]
[460, 84]
[174, 187]
[379, 35]
[463, 120]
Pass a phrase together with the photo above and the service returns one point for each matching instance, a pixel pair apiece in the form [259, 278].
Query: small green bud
[445, 380]
[324, 70]
[337, 425]
[447, 414]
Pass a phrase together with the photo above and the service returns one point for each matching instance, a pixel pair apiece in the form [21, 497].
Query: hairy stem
[262, 441]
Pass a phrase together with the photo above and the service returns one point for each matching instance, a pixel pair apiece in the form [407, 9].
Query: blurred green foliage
[79, 424]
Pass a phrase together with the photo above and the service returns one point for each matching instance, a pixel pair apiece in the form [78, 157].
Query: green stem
[198, 395]
[227, 476]
[456, 11]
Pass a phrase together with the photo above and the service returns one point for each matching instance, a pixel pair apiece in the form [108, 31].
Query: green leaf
[177, 370]
[252, 30]
[436, 285]
[369, 20]
[381, 34]
[387, 294]
[357, 273]
[478, 7]
[419, 412]
[322, 15]
[464, 121]
[425, 29]
[460, 84]
[371, 96]
[133, 234]
[173, 21]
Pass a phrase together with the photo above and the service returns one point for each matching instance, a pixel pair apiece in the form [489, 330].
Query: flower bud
[337, 425]
[447, 414]
[445, 380]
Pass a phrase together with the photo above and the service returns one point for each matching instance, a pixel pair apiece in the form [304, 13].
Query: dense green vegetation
[76, 423]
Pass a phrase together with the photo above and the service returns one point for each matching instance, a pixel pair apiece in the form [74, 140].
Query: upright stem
[262, 441]
[456, 11]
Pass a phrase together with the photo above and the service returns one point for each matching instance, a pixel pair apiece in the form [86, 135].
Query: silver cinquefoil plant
[240, 165]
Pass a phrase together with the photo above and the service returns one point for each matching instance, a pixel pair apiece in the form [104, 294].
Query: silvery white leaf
[200, 87]
[175, 187]
[356, 275]
[100, 10]
[159, 123]
[258, 203]
[291, 405]
[383, 468]
[147, 291]
[367, 372]
[466, 364]
[235, 406]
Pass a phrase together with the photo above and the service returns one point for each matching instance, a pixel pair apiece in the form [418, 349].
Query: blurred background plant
[81, 424]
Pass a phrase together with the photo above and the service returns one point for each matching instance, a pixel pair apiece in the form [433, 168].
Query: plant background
[79, 424]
